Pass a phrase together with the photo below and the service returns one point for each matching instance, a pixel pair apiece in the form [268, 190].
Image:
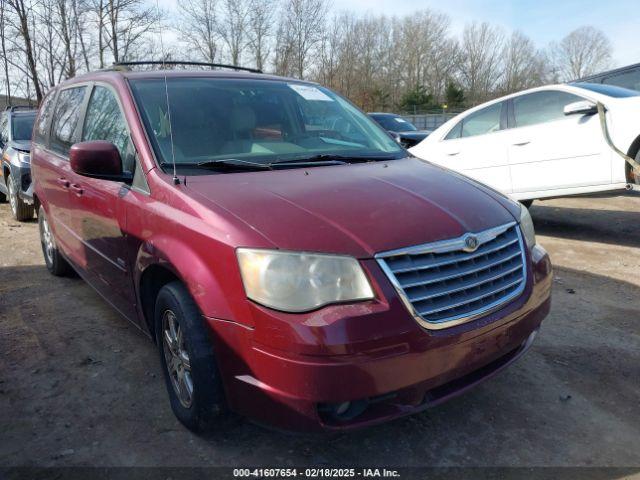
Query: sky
[543, 21]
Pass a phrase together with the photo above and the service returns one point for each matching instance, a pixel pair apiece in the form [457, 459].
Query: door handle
[64, 182]
[521, 143]
[77, 189]
[452, 154]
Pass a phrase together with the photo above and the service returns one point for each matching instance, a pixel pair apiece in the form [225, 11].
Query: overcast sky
[542, 20]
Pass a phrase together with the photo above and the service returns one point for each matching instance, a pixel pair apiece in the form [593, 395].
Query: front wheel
[21, 210]
[188, 361]
[527, 203]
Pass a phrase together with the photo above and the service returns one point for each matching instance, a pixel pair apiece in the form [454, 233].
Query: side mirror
[97, 159]
[583, 107]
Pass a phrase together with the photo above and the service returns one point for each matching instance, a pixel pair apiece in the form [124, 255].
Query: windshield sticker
[309, 92]
[400, 120]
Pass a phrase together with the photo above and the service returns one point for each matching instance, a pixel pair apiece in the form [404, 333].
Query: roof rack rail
[13, 108]
[180, 62]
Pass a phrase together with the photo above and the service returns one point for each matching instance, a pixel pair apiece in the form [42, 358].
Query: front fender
[215, 286]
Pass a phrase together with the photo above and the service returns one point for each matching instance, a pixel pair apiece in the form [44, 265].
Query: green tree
[454, 95]
[417, 99]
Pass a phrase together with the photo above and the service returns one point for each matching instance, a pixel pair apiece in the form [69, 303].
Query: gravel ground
[80, 386]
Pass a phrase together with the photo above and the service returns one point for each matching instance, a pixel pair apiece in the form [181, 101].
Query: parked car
[544, 142]
[405, 132]
[312, 279]
[16, 124]
[625, 77]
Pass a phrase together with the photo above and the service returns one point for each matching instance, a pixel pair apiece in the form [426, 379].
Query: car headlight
[299, 282]
[24, 157]
[526, 224]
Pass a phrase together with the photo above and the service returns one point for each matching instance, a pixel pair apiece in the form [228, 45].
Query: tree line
[409, 63]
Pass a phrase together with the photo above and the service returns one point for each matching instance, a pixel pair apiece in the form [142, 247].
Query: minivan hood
[357, 209]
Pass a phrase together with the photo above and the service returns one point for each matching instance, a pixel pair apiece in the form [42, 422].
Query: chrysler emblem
[471, 243]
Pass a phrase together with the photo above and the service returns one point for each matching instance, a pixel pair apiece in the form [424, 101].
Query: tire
[636, 177]
[20, 210]
[53, 259]
[527, 203]
[203, 407]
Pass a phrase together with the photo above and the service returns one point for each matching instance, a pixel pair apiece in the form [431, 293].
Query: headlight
[298, 282]
[526, 224]
[24, 157]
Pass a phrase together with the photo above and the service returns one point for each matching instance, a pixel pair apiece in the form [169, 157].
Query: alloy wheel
[12, 197]
[47, 241]
[177, 359]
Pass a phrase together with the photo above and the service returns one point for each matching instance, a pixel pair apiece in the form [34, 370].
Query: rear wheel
[635, 176]
[188, 362]
[21, 210]
[55, 262]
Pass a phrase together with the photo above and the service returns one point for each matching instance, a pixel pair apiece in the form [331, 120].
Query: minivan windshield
[255, 122]
[22, 126]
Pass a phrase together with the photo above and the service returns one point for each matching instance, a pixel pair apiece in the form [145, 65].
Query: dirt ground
[81, 386]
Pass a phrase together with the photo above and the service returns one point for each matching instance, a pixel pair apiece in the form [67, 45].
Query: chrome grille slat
[466, 285]
[444, 285]
[470, 256]
[472, 269]
[473, 299]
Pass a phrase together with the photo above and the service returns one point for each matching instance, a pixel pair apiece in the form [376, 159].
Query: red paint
[276, 367]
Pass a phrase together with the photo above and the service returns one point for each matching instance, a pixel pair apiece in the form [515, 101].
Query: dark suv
[290, 260]
[625, 77]
[16, 125]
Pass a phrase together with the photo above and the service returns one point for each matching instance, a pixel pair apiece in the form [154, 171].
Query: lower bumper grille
[447, 283]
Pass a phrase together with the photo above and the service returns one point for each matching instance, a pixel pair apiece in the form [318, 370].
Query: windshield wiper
[223, 164]
[331, 159]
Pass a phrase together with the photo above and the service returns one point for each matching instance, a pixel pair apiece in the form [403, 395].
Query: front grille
[444, 283]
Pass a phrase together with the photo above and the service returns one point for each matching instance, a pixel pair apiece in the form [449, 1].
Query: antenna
[176, 180]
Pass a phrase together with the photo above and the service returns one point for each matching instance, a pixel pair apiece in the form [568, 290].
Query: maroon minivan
[290, 260]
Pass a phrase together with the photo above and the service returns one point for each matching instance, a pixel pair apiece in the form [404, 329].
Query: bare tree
[3, 49]
[480, 55]
[127, 24]
[584, 51]
[24, 16]
[198, 26]
[260, 30]
[301, 32]
[233, 30]
[524, 66]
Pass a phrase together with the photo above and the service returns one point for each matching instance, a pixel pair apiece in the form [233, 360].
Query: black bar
[180, 62]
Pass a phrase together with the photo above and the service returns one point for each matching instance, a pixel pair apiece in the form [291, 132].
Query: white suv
[544, 142]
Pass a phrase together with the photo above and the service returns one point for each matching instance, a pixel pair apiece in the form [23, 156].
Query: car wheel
[636, 176]
[188, 361]
[21, 210]
[527, 203]
[55, 262]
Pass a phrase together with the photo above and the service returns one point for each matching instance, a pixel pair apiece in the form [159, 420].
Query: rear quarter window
[42, 123]
[65, 119]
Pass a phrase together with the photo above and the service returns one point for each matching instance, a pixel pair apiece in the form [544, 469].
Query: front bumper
[286, 378]
[22, 176]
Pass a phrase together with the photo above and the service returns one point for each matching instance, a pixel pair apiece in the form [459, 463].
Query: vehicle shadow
[614, 227]
[80, 386]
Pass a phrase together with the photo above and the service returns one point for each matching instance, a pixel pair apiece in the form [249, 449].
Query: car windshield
[609, 90]
[262, 122]
[394, 123]
[22, 126]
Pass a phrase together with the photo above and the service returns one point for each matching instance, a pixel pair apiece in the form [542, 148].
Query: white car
[544, 142]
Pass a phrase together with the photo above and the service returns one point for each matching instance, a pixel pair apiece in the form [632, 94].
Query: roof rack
[13, 108]
[124, 65]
